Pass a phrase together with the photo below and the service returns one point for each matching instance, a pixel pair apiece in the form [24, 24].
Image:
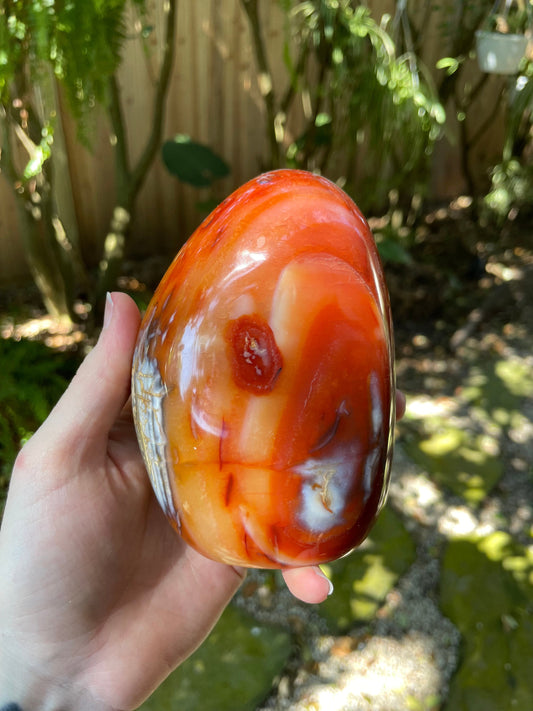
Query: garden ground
[435, 610]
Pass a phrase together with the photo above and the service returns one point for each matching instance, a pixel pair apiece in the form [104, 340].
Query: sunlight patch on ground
[459, 521]
[382, 674]
[420, 406]
[53, 332]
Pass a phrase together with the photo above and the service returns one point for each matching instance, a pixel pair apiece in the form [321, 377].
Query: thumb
[99, 390]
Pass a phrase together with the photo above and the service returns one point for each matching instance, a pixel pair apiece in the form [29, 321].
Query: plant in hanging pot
[505, 41]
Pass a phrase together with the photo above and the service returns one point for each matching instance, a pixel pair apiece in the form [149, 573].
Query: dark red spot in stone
[254, 354]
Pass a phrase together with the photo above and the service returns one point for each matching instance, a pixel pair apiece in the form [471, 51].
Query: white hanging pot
[499, 53]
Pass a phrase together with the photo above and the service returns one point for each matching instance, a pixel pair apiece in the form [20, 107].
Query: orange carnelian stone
[263, 378]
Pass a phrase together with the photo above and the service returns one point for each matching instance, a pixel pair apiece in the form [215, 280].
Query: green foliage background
[33, 377]
[80, 41]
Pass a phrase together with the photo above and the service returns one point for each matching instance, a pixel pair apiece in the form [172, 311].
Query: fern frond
[81, 40]
[33, 379]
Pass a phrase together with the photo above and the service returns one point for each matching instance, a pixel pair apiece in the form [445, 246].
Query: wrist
[24, 687]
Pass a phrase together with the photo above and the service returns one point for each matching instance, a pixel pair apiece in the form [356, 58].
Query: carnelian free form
[263, 378]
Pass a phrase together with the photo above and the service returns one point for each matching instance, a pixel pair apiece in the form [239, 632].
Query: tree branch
[7, 165]
[154, 140]
[487, 123]
[324, 62]
[265, 79]
[292, 89]
[130, 180]
[122, 160]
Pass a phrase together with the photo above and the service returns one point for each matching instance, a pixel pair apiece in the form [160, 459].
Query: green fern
[32, 379]
[81, 41]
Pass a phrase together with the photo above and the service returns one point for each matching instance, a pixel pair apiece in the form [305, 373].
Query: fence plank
[213, 97]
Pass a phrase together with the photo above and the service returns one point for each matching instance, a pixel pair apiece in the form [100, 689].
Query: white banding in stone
[377, 409]
[324, 490]
[148, 396]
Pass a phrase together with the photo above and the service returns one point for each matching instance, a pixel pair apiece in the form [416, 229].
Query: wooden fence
[214, 97]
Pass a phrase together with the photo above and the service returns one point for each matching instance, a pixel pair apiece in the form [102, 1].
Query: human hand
[99, 598]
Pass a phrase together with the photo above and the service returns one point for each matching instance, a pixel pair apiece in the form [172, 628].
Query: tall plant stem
[130, 179]
[265, 81]
[49, 257]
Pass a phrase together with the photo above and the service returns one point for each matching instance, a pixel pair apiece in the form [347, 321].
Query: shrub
[33, 378]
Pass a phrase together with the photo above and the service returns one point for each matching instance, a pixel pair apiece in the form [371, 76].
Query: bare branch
[154, 140]
[122, 160]
[7, 165]
[292, 89]
[488, 122]
[265, 79]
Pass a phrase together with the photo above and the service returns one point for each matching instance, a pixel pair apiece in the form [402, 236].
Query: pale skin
[99, 598]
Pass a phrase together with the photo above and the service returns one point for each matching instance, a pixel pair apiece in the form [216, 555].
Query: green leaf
[35, 164]
[391, 251]
[451, 64]
[193, 163]
[439, 113]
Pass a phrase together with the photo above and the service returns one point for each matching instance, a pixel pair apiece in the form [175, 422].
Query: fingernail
[108, 311]
[321, 574]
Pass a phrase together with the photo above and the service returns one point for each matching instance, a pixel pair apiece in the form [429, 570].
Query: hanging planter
[504, 43]
[500, 54]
